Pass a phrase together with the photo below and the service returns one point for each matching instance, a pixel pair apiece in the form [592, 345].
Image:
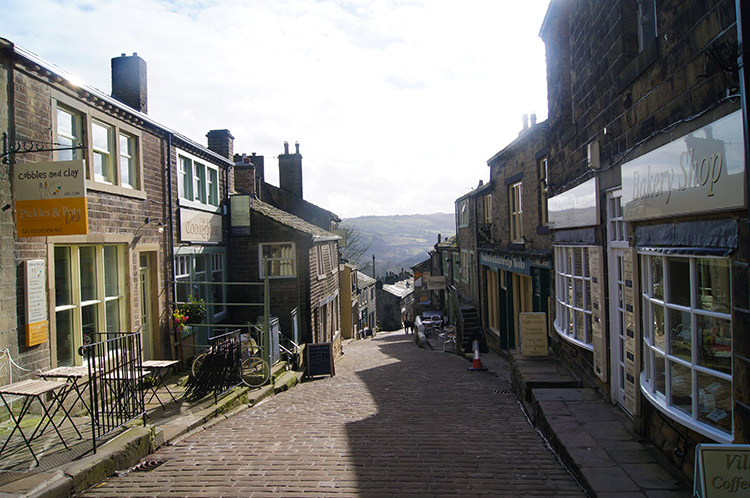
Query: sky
[397, 104]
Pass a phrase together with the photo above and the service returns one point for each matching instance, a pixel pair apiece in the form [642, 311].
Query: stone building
[648, 213]
[367, 301]
[513, 238]
[393, 303]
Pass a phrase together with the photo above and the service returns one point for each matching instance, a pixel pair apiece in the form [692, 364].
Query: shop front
[514, 284]
[685, 203]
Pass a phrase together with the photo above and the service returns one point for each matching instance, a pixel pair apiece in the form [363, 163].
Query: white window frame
[568, 279]
[654, 353]
[463, 213]
[292, 259]
[196, 186]
[106, 153]
[86, 119]
[543, 191]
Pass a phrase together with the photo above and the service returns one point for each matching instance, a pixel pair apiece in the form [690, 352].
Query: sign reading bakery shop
[702, 171]
[577, 207]
[516, 264]
[199, 226]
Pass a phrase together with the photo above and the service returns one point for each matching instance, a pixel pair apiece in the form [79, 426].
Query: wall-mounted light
[156, 221]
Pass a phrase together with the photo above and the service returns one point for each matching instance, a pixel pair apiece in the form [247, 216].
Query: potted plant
[195, 309]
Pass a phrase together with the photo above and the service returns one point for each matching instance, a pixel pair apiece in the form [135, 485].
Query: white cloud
[397, 105]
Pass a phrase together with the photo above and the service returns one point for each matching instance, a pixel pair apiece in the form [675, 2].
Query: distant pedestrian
[408, 324]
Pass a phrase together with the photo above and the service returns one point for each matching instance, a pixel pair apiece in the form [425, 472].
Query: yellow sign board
[50, 199]
[533, 334]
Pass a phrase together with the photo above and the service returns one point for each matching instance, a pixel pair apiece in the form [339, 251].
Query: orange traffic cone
[477, 364]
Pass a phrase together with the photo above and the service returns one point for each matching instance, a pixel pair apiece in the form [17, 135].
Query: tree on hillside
[355, 246]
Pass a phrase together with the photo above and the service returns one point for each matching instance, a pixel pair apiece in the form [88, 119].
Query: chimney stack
[525, 122]
[221, 142]
[533, 119]
[129, 81]
[290, 171]
[244, 174]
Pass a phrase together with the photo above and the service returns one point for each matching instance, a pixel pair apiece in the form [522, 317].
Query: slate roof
[401, 288]
[291, 221]
[364, 280]
[449, 243]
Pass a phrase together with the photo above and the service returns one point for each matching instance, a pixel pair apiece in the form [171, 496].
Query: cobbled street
[395, 420]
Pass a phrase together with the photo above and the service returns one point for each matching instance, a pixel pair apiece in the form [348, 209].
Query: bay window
[687, 340]
[573, 294]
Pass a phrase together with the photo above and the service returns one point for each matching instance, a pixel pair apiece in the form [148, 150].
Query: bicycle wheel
[255, 371]
[197, 362]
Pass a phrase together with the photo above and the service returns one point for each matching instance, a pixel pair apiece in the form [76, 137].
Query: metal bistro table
[31, 390]
[159, 369]
[73, 377]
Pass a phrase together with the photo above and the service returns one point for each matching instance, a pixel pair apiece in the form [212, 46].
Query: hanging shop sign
[199, 226]
[577, 207]
[240, 214]
[700, 172]
[436, 282]
[35, 294]
[50, 199]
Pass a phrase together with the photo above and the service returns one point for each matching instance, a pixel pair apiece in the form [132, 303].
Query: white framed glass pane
[715, 335]
[112, 311]
[679, 281]
[102, 156]
[128, 162]
[64, 337]
[213, 187]
[63, 283]
[87, 264]
[681, 386]
[713, 285]
[715, 402]
[111, 276]
[186, 178]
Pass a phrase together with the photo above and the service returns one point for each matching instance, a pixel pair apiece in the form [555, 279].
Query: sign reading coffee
[198, 226]
[701, 171]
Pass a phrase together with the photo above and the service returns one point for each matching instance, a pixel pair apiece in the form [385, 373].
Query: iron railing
[220, 370]
[115, 382]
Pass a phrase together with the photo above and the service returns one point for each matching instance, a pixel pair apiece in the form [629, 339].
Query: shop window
[487, 209]
[280, 260]
[201, 276]
[617, 231]
[687, 337]
[573, 294]
[89, 296]
[516, 212]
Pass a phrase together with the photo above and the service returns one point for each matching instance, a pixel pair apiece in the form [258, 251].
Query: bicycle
[254, 370]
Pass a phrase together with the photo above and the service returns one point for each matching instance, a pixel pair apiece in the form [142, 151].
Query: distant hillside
[399, 241]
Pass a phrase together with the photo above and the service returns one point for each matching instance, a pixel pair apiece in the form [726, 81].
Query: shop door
[617, 246]
[522, 300]
[147, 302]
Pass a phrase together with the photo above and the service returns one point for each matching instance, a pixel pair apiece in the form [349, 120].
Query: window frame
[462, 209]
[100, 300]
[515, 211]
[196, 187]
[567, 281]
[663, 352]
[87, 117]
[292, 258]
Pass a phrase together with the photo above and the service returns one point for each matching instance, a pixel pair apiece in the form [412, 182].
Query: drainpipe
[170, 246]
[743, 93]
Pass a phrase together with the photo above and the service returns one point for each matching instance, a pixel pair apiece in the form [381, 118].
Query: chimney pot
[286, 147]
[533, 119]
[296, 146]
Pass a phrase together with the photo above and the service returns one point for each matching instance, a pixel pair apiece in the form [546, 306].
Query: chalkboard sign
[319, 359]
